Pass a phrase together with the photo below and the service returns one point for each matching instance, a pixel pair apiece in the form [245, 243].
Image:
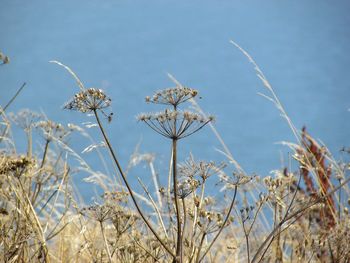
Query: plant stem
[129, 188]
[12, 99]
[246, 235]
[37, 187]
[184, 222]
[105, 241]
[176, 199]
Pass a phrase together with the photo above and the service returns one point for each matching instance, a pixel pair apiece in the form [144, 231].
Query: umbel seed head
[172, 123]
[172, 96]
[175, 124]
[88, 100]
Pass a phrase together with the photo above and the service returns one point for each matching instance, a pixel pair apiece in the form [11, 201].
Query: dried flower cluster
[175, 124]
[99, 213]
[186, 186]
[172, 96]
[15, 165]
[25, 118]
[210, 221]
[89, 100]
[51, 129]
[202, 169]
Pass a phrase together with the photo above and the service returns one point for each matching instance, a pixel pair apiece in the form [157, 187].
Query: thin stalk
[176, 199]
[105, 241]
[156, 183]
[200, 247]
[184, 223]
[37, 187]
[156, 209]
[12, 99]
[194, 228]
[246, 235]
[129, 188]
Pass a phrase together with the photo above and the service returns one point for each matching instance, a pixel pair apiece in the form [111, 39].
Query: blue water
[127, 48]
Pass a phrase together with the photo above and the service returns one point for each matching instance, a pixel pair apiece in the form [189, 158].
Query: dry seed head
[172, 96]
[52, 129]
[116, 197]
[202, 169]
[186, 187]
[175, 124]
[88, 100]
[209, 201]
[25, 118]
[15, 165]
[99, 213]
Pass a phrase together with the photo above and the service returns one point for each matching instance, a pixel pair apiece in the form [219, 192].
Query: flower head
[15, 165]
[186, 186]
[52, 129]
[201, 169]
[88, 100]
[25, 118]
[97, 212]
[172, 96]
[175, 124]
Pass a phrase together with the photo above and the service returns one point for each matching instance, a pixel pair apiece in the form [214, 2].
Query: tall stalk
[175, 125]
[176, 200]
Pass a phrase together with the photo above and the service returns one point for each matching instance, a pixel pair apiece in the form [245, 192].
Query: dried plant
[176, 125]
[208, 212]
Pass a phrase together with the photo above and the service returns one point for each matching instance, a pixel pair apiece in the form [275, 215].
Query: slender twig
[200, 247]
[156, 183]
[293, 198]
[105, 241]
[184, 221]
[12, 99]
[154, 206]
[37, 187]
[196, 212]
[246, 235]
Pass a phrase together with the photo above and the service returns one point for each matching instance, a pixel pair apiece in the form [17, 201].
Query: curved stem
[129, 188]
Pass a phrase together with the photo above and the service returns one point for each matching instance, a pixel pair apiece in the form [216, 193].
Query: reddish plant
[315, 158]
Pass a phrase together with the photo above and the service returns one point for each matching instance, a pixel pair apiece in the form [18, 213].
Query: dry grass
[291, 216]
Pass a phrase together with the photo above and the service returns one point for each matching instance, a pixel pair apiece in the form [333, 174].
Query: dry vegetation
[296, 215]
